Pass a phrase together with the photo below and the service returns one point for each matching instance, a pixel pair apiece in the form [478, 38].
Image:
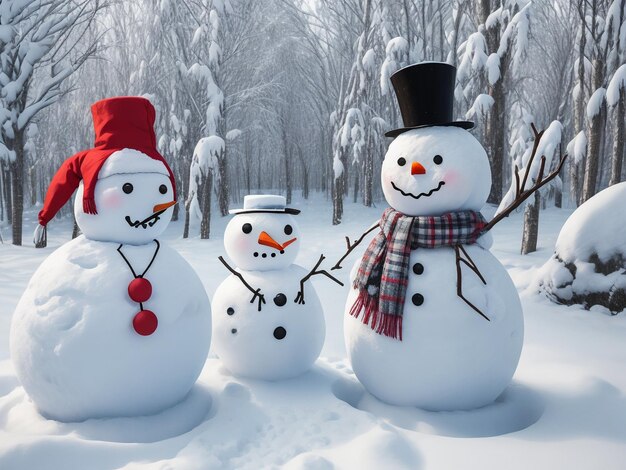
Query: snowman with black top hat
[433, 319]
[115, 322]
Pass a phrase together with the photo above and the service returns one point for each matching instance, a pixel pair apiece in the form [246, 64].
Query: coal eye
[246, 228]
[288, 229]
[162, 189]
[127, 188]
[438, 159]
[401, 161]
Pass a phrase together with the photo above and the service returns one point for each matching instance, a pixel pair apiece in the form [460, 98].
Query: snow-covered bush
[589, 263]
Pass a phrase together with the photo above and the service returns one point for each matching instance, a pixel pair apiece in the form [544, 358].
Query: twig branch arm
[521, 193]
[352, 246]
[300, 297]
[256, 292]
[459, 277]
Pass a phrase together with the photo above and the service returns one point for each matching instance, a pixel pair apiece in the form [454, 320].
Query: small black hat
[425, 93]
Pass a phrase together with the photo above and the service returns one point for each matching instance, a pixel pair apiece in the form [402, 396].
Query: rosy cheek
[242, 245]
[450, 177]
[111, 199]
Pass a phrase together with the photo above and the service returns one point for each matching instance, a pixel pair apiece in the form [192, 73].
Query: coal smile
[145, 223]
[427, 194]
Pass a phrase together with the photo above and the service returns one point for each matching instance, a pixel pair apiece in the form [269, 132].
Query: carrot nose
[288, 242]
[417, 169]
[162, 207]
[267, 240]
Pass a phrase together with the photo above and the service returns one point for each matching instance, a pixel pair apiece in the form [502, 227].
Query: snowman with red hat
[115, 322]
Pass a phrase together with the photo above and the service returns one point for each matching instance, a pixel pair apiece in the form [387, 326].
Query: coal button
[280, 333]
[418, 268]
[280, 299]
[418, 299]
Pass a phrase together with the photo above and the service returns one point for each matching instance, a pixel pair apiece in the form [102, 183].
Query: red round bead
[140, 289]
[145, 323]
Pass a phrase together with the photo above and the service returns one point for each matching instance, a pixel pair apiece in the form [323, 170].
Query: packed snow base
[565, 408]
[589, 263]
[281, 341]
[72, 343]
[447, 359]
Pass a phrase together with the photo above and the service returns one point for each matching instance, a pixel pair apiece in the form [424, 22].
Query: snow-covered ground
[565, 409]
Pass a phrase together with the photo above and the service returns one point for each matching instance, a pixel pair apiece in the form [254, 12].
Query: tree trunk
[531, 225]
[305, 182]
[596, 135]
[327, 146]
[175, 212]
[558, 195]
[592, 162]
[247, 171]
[32, 176]
[223, 191]
[258, 171]
[288, 181]
[593, 157]
[205, 206]
[75, 229]
[496, 127]
[1, 191]
[305, 174]
[579, 119]
[558, 191]
[186, 224]
[339, 189]
[6, 191]
[368, 176]
[337, 200]
[17, 173]
[619, 131]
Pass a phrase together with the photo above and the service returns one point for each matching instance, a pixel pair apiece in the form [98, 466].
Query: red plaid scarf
[383, 275]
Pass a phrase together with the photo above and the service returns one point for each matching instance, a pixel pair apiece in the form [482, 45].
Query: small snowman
[433, 319]
[266, 325]
[115, 322]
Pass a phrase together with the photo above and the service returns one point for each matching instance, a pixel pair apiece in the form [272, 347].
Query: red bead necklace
[140, 290]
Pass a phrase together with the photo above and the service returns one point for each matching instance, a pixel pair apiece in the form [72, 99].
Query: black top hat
[425, 93]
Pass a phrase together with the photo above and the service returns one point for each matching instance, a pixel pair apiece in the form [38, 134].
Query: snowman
[433, 320]
[115, 322]
[269, 324]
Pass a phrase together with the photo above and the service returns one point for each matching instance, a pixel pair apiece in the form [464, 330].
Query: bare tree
[45, 41]
[492, 59]
[616, 99]
[607, 20]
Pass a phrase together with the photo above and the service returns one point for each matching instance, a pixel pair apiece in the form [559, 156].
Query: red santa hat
[123, 122]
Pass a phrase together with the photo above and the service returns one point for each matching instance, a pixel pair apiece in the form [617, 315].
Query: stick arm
[521, 193]
[351, 246]
[256, 292]
[300, 297]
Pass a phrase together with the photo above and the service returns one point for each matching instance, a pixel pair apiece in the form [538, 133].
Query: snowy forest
[293, 96]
